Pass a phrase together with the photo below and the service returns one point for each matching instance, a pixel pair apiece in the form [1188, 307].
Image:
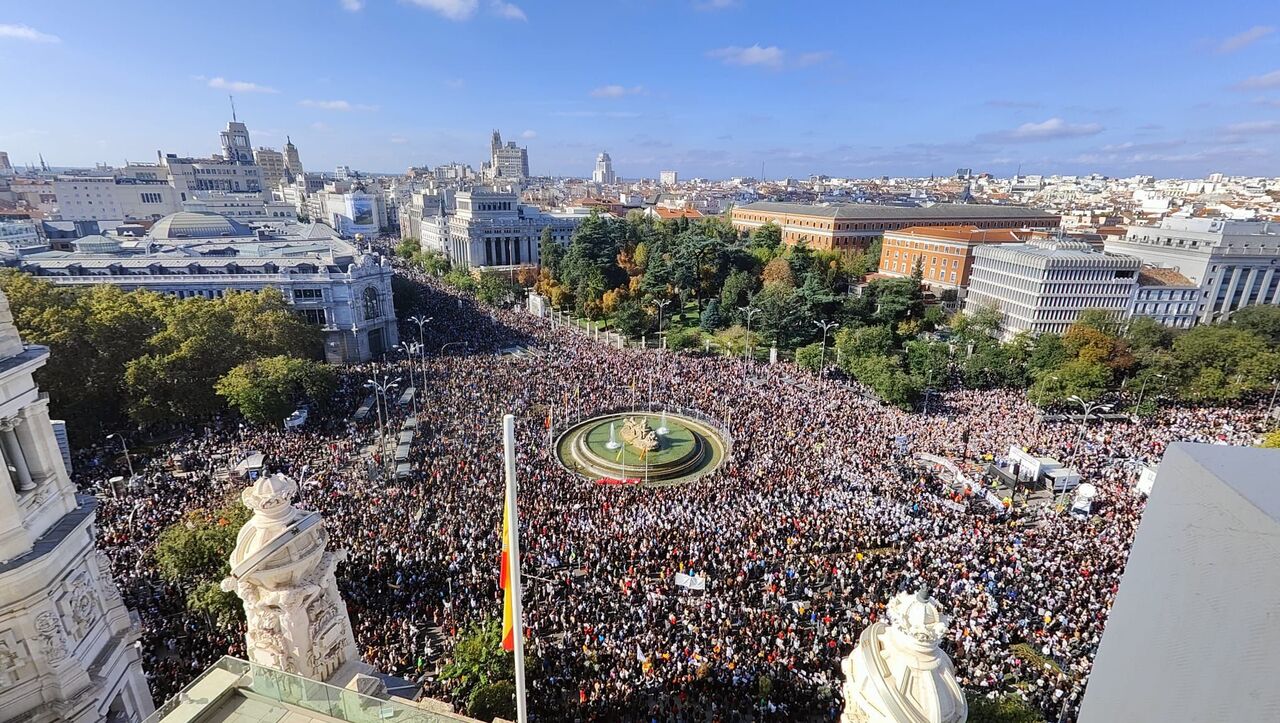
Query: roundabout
[642, 447]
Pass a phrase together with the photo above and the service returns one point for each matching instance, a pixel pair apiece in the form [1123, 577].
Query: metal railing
[291, 690]
[559, 427]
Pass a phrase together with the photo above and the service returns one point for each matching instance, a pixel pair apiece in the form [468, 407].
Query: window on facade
[371, 304]
[307, 294]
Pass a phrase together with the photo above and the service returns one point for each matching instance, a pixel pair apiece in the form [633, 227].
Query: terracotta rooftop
[967, 234]
[1157, 276]
[669, 213]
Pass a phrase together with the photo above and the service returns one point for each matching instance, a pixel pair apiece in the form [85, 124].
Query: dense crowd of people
[817, 519]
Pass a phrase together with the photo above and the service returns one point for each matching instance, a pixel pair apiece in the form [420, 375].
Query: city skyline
[710, 88]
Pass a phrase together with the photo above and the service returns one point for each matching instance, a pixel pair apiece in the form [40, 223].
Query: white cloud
[451, 9]
[240, 86]
[456, 83]
[1266, 80]
[507, 11]
[770, 57]
[1254, 127]
[398, 140]
[26, 32]
[813, 58]
[339, 105]
[716, 4]
[319, 126]
[616, 91]
[595, 114]
[1245, 39]
[1048, 130]
[352, 6]
[529, 134]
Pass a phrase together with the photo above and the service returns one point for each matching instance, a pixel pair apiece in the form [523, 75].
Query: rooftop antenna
[233, 108]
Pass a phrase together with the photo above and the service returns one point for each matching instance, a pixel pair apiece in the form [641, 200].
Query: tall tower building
[291, 160]
[235, 143]
[604, 170]
[509, 162]
[271, 162]
[66, 639]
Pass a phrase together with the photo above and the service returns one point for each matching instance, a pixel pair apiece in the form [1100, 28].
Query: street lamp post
[125, 447]
[826, 326]
[381, 386]
[1143, 390]
[1088, 408]
[662, 305]
[409, 350]
[750, 311]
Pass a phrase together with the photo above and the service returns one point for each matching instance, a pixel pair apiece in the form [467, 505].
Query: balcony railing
[229, 675]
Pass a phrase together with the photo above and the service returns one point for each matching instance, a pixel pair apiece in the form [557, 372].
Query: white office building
[668, 178]
[1043, 285]
[492, 228]
[603, 173]
[102, 198]
[67, 642]
[330, 283]
[1233, 263]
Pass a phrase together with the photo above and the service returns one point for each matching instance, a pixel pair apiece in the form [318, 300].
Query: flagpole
[513, 544]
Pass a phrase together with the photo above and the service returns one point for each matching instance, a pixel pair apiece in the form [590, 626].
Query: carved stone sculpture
[897, 673]
[638, 434]
[284, 574]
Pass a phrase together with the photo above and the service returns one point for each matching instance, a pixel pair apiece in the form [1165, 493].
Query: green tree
[632, 319]
[1218, 364]
[737, 290]
[978, 323]
[685, 338]
[479, 664]
[550, 253]
[1262, 320]
[195, 553]
[928, 361]
[767, 237]
[1271, 441]
[864, 341]
[408, 248]
[710, 320]
[1047, 353]
[809, 356]
[1085, 379]
[783, 319]
[265, 391]
[1002, 709]
[736, 340]
[885, 376]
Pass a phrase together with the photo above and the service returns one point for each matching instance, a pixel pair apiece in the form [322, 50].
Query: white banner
[691, 582]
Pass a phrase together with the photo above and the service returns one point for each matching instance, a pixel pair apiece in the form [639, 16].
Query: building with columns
[1234, 263]
[491, 228]
[67, 649]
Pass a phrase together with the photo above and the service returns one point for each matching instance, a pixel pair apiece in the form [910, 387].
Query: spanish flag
[504, 579]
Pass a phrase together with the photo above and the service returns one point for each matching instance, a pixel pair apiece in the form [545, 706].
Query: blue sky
[710, 88]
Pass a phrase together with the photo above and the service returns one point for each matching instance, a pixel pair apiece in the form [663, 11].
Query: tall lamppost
[1088, 408]
[1271, 409]
[409, 349]
[381, 386]
[750, 311]
[826, 326]
[1143, 390]
[124, 446]
[662, 305]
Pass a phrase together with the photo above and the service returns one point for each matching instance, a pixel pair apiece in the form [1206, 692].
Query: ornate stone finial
[271, 496]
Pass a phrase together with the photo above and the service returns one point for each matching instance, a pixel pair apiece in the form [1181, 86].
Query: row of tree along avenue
[711, 288]
[139, 358]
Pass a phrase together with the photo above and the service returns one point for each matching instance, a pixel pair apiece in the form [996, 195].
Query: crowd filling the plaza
[815, 521]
